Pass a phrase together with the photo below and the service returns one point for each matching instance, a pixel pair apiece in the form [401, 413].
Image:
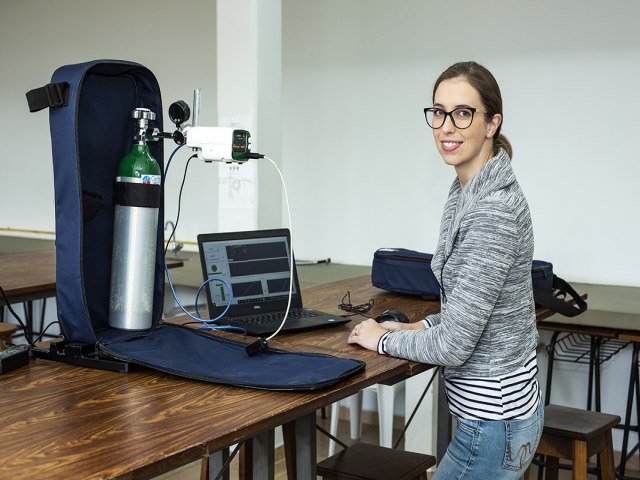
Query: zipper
[403, 257]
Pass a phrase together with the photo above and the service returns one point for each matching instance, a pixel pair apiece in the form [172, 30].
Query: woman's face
[465, 149]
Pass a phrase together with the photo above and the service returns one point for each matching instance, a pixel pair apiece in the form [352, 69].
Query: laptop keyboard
[273, 318]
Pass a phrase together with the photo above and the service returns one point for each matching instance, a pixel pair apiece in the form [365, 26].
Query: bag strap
[51, 95]
[559, 305]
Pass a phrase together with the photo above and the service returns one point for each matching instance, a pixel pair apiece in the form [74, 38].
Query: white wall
[360, 159]
[176, 41]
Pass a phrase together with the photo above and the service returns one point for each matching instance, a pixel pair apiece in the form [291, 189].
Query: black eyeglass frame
[450, 115]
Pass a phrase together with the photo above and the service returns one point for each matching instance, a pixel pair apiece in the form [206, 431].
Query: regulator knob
[143, 114]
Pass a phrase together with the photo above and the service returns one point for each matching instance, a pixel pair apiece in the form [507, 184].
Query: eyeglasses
[460, 117]
[347, 306]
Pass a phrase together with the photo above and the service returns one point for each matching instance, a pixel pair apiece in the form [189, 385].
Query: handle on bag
[559, 305]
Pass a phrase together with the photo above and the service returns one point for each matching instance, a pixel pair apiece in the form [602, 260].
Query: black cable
[27, 333]
[43, 331]
[175, 226]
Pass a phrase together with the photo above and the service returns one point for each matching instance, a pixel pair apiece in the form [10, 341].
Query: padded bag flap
[404, 271]
[188, 353]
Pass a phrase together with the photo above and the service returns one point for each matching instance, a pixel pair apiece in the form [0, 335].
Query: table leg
[593, 366]
[263, 456]
[28, 320]
[552, 353]
[633, 385]
[43, 311]
[305, 447]
[444, 421]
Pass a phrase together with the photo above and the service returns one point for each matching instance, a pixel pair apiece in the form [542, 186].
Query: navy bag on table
[550, 291]
[407, 271]
[91, 130]
[404, 271]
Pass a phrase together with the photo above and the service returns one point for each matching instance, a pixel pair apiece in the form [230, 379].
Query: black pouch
[550, 291]
[404, 271]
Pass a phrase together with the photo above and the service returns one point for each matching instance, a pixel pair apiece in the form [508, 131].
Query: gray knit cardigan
[487, 323]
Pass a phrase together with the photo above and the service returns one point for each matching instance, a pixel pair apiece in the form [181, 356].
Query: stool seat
[364, 461]
[6, 332]
[576, 435]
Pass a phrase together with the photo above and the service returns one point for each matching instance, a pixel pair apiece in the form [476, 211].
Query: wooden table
[62, 421]
[29, 276]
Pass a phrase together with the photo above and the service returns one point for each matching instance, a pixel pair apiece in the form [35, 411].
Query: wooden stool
[364, 461]
[6, 331]
[576, 435]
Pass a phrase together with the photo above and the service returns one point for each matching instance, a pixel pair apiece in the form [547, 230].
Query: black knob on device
[179, 112]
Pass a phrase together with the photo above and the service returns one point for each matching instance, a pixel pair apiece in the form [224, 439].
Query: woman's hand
[367, 334]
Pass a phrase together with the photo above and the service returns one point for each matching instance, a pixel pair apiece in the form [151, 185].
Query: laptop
[256, 266]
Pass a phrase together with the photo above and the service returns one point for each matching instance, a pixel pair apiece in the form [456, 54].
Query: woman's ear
[493, 125]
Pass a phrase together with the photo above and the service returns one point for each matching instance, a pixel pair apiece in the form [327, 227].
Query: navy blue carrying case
[404, 271]
[408, 271]
[91, 130]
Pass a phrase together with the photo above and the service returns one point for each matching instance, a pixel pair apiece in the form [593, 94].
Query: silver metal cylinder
[133, 267]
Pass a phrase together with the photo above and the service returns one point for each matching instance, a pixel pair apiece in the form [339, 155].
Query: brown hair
[484, 82]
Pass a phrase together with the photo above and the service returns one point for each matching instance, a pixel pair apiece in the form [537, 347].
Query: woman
[485, 336]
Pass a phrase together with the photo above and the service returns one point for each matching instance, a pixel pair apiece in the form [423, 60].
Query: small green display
[240, 145]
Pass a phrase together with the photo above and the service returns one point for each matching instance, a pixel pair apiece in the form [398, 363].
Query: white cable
[286, 198]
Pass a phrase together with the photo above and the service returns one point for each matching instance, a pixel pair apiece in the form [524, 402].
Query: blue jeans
[491, 449]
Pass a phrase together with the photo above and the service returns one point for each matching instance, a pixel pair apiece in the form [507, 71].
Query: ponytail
[502, 142]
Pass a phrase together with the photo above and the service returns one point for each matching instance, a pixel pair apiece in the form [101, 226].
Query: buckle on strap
[51, 95]
[56, 94]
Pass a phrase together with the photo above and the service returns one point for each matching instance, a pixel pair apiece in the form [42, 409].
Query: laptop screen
[256, 266]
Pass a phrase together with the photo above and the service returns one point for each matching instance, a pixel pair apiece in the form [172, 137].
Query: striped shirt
[506, 397]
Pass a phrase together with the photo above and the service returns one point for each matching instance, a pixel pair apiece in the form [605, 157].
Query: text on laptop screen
[257, 269]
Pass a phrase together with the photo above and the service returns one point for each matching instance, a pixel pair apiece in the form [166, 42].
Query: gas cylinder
[136, 198]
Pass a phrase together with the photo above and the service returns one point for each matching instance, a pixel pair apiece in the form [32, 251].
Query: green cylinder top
[139, 166]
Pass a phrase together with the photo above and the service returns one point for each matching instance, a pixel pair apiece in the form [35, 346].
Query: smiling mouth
[449, 146]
